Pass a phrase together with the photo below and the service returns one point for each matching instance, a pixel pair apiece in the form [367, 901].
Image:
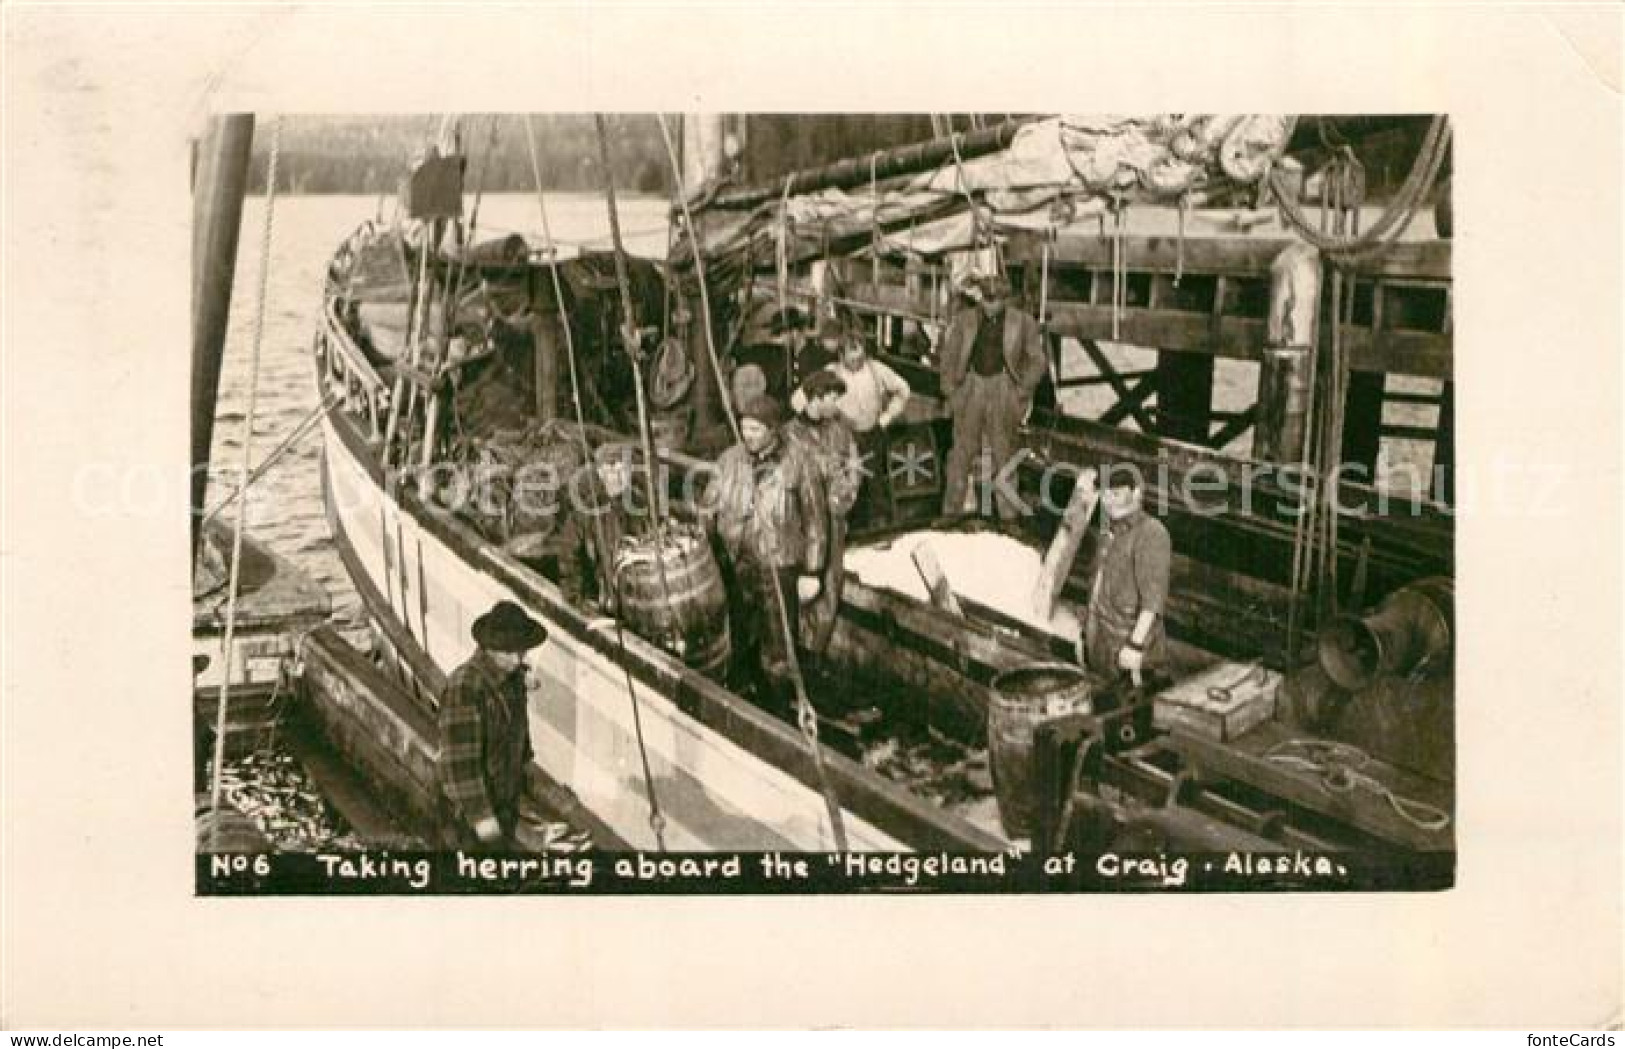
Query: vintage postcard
[745, 476]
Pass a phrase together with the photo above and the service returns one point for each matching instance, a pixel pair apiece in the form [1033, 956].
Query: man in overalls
[1124, 638]
[992, 362]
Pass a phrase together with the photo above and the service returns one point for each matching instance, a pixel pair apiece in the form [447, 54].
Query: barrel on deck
[1023, 699]
[675, 598]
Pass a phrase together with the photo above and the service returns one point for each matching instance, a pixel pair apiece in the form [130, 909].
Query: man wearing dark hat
[485, 747]
[992, 362]
[768, 507]
[821, 431]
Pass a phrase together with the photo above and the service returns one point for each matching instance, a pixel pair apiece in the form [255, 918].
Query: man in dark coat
[485, 750]
[993, 359]
[768, 507]
[821, 431]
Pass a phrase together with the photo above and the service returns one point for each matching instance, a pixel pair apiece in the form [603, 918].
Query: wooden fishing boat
[624, 728]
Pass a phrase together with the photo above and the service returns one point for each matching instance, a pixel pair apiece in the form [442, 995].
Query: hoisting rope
[806, 713]
[1395, 220]
[699, 272]
[454, 290]
[781, 239]
[1315, 533]
[874, 222]
[248, 453]
[657, 821]
[980, 231]
[305, 426]
[1119, 269]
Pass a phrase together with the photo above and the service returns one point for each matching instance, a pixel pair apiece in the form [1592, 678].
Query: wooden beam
[1063, 550]
[1239, 424]
[935, 579]
[1128, 400]
[1423, 354]
[1232, 256]
[1132, 404]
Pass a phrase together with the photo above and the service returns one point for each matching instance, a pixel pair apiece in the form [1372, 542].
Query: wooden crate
[1222, 703]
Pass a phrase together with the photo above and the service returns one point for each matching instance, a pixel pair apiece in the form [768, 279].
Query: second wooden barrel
[1023, 699]
[673, 596]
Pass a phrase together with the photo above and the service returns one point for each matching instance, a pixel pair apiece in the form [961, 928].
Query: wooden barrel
[1022, 699]
[674, 596]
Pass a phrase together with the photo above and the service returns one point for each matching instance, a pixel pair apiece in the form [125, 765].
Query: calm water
[285, 508]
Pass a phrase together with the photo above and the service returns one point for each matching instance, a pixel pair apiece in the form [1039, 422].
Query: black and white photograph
[1061, 501]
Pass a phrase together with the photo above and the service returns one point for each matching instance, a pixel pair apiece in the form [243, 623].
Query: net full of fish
[275, 792]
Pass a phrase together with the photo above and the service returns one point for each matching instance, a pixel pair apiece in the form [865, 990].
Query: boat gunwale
[890, 807]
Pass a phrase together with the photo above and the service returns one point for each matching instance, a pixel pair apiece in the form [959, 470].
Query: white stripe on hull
[713, 793]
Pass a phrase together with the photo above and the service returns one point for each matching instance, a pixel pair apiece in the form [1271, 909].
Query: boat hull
[585, 725]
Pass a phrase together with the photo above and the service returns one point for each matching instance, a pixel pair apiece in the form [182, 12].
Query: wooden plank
[1423, 354]
[1232, 256]
[1128, 400]
[935, 579]
[1247, 760]
[1222, 703]
[1063, 550]
[1132, 404]
[1240, 423]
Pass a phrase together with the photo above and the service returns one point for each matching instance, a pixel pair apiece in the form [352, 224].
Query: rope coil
[1339, 768]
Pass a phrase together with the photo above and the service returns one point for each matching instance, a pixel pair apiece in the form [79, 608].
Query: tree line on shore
[354, 154]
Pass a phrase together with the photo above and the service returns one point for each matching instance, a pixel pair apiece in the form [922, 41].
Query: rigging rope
[699, 272]
[1339, 769]
[1395, 220]
[806, 713]
[248, 452]
[305, 425]
[657, 821]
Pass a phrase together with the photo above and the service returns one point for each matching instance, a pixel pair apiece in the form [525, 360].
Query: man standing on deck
[767, 505]
[1123, 633]
[485, 750]
[821, 431]
[875, 396]
[992, 362]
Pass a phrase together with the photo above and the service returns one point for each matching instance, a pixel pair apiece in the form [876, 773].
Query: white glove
[488, 830]
[808, 587]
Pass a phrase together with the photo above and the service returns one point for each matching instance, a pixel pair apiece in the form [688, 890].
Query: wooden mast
[221, 179]
[703, 159]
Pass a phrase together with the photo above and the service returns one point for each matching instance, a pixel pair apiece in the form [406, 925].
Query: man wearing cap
[992, 362]
[875, 396]
[1123, 632]
[485, 749]
[821, 431]
[768, 507]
